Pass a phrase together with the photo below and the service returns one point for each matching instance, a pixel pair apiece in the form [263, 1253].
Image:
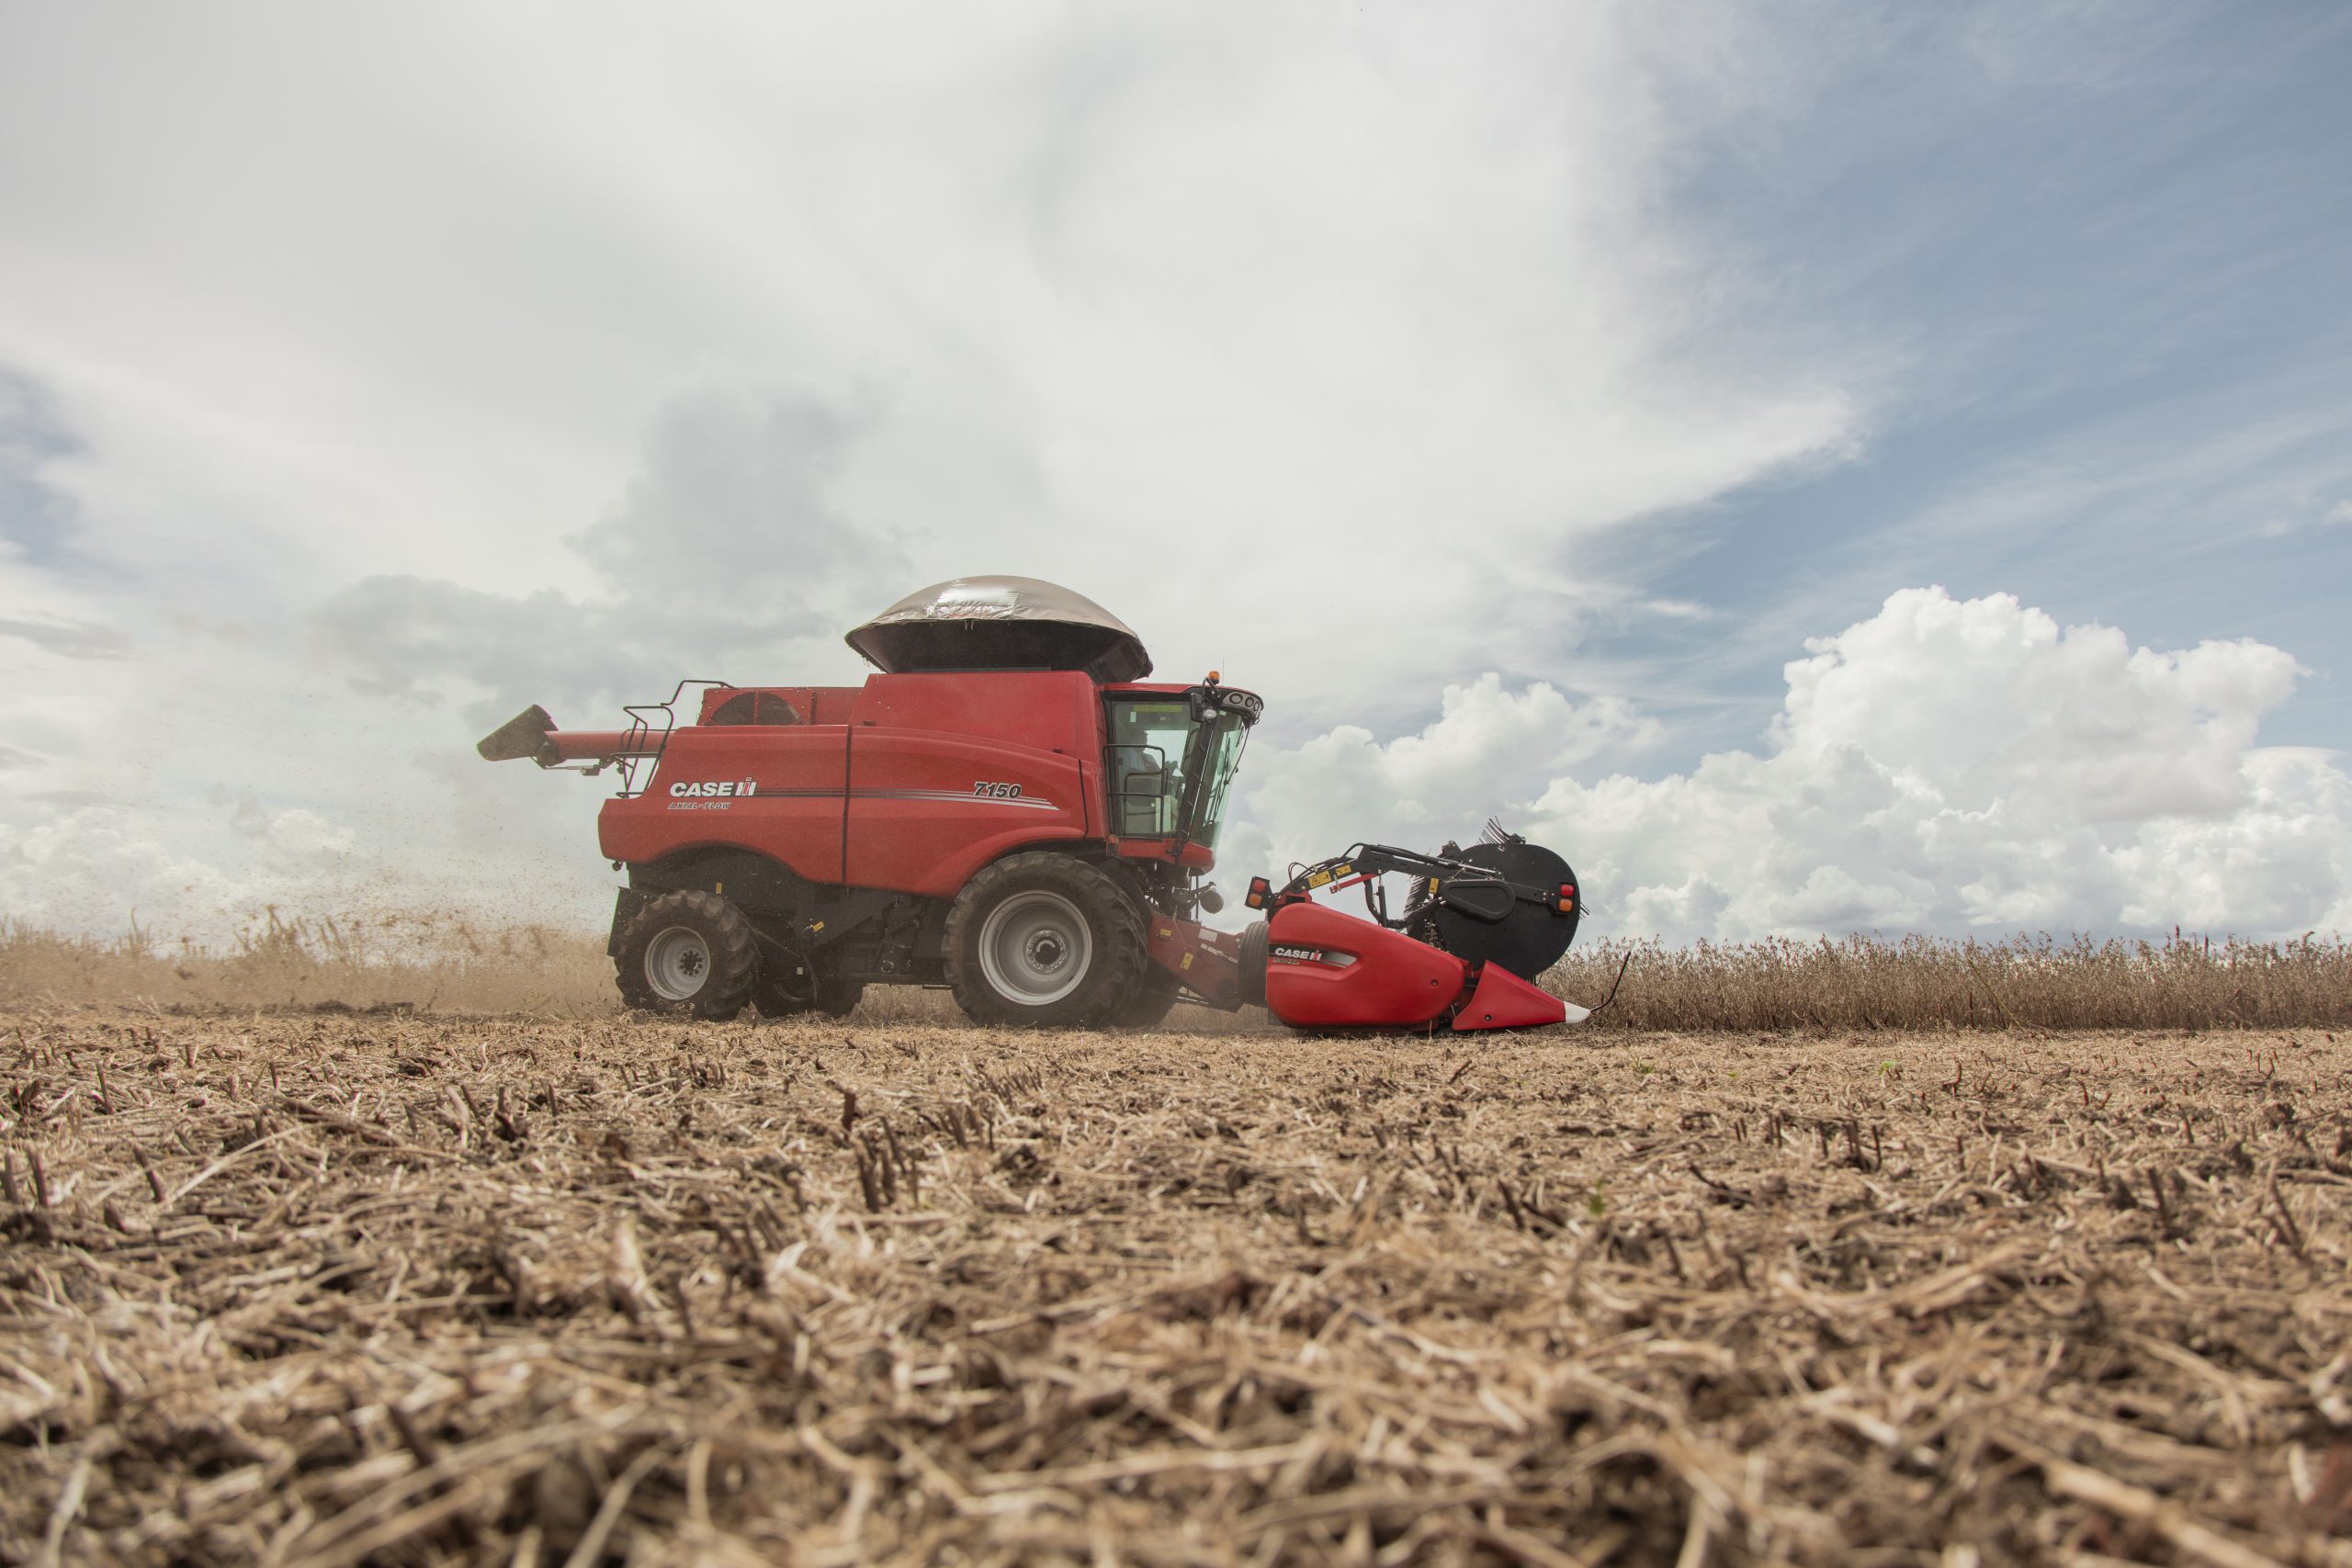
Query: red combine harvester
[1009, 810]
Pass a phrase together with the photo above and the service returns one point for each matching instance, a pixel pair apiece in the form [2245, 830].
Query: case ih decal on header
[788, 846]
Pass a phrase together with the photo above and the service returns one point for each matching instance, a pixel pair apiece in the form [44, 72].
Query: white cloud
[2340, 512]
[1314, 800]
[1944, 765]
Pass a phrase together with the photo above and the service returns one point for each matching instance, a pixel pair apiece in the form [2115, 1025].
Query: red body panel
[950, 771]
[792, 810]
[920, 823]
[1324, 969]
[1503, 1000]
[910, 783]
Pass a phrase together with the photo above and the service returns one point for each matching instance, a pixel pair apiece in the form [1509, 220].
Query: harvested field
[391, 1289]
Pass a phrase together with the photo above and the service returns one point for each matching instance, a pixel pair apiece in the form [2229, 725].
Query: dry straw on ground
[1864, 983]
[326, 1291]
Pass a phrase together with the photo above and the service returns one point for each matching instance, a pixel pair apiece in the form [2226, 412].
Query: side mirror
[1209, 899]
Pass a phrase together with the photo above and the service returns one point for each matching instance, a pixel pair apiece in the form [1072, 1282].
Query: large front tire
[690, 954]
[1044, 941]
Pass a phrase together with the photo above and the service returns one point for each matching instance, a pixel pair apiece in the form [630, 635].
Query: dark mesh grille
[754, 707]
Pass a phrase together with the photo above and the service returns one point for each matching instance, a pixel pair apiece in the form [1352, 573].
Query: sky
[1821, 468]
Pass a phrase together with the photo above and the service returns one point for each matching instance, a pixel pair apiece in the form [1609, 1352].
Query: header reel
[1503, 900]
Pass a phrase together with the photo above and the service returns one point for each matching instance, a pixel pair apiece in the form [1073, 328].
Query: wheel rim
[677, 964]
[1035, 948]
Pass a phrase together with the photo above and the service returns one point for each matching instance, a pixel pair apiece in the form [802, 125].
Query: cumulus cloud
[1945, 765]
[1421, 786]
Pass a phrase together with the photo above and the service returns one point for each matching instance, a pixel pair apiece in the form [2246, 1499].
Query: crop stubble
[387, 1288]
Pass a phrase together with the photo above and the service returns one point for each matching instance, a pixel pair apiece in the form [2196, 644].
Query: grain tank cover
[1001, 623]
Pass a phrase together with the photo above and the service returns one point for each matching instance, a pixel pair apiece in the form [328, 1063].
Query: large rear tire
[1044, 941]
[690, 954]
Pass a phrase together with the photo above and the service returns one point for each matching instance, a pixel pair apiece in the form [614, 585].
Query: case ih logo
[711, 789]
[1283, 953]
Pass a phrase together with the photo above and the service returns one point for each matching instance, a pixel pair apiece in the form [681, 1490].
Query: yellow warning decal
[1185, 962]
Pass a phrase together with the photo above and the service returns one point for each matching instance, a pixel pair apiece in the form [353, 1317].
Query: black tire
[786, 986]
[834, 997]
[772, 1000]
[1044, 941]
[689, 953]
[1149, 1002]
[1253, 966]
[837, 997]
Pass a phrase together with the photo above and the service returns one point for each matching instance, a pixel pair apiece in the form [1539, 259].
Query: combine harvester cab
[1007, 808]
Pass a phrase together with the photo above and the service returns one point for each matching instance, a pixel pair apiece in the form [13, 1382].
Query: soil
[389, 1288]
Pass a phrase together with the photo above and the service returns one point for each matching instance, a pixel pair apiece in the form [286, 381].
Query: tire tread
[1119, 941]
[734, 954]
